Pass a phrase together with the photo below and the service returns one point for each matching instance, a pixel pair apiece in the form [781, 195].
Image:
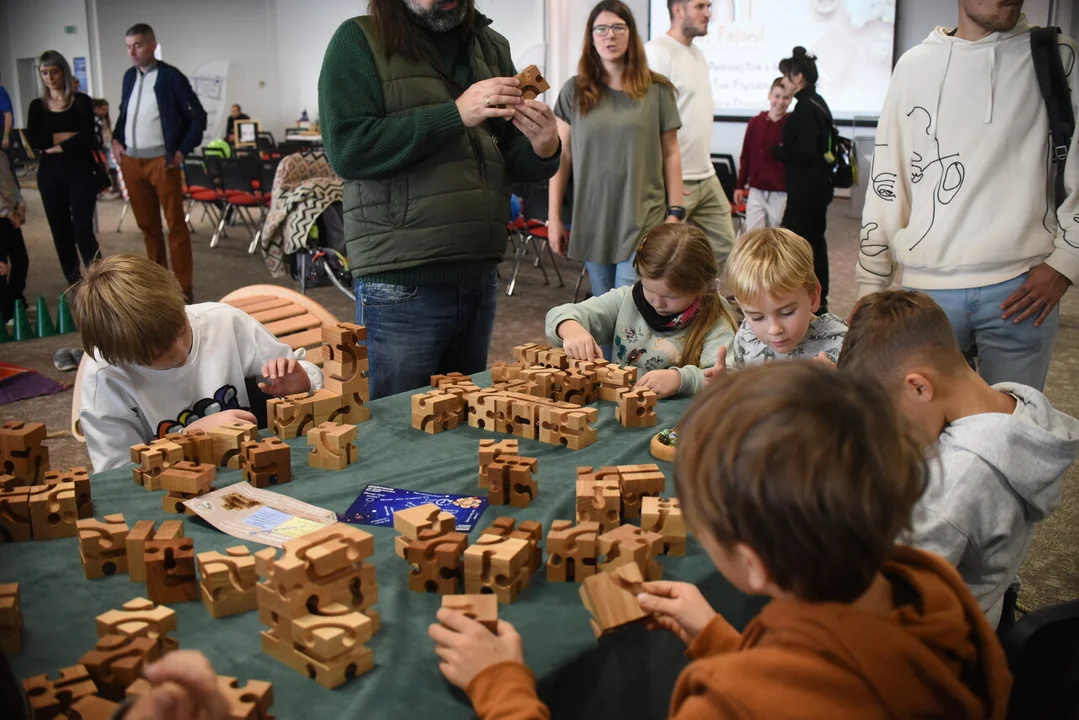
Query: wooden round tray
[661, 451]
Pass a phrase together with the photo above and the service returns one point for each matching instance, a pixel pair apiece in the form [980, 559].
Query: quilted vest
[451, 206]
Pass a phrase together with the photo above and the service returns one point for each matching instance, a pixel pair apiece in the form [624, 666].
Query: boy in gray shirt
[996, 455]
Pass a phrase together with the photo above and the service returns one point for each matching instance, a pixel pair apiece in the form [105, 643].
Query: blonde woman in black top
[60, 129]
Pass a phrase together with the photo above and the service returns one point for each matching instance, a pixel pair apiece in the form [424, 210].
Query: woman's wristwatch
[677, 211]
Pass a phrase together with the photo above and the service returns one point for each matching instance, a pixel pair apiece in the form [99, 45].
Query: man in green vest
[422, 117]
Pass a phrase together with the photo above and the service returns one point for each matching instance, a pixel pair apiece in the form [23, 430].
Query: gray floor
[1051, 574]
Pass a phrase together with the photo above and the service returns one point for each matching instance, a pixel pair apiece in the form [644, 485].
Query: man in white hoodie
[996, 454]
[963, 193]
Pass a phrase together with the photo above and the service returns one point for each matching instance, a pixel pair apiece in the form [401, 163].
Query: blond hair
[812, 468]
[770, 261]
[681, 256]
[129, 310]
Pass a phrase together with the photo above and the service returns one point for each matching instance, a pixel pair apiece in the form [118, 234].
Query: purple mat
[28, 384]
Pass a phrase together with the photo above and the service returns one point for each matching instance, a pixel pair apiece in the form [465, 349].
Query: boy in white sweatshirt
[156, 366]
[962, 190]
[996, 454]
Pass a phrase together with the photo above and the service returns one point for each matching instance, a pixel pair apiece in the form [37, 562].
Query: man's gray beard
[438, 20]
[690, 30]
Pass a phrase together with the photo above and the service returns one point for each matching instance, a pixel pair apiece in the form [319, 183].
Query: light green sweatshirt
[613, 319]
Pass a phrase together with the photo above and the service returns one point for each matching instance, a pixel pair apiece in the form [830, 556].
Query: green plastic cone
[64, 320]
[22, 323]
[45, 328]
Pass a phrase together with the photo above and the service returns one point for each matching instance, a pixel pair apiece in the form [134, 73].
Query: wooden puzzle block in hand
[611, 598]
[533, 83]
[249, 701]
[481, 608]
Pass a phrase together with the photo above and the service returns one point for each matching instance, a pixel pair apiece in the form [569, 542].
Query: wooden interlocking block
[10, 619]
[528, 354]
[80, 478]
[437, 564]
[547, 381]
[613, 379]
[481, 608]
[436, 411]
[506, 372]
[173, 502]
[629, 544]
[326, 406]
[103, 546]
[424, 522]
[345, 367]
[611, 598]
[53, 698]
[531, 531]
[637, 482]
[227, 440]
[498, 565]
[443, 382]
[21, 451]
[196, 446]
[553, 358]
[187, 478]
[491, 450]
[533, 83]
[636, 408]
[569, 426]
[117, 661]
[54, 511]
[93, 707]
[571, 551]
[141, 618]
[9, 482]
[15, 523]
[352, 664]
[266, 463]
[136, 544]
[502, 527]
[170, 570]
[664, 517]
[151, 460]
[332, 446]
[599, 498]
[289, 416]
[511, 480]
[576, 387]
[248, 701]
[227, 583]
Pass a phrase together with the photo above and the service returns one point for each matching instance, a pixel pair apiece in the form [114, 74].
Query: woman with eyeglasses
[619, 127]
[60, 128]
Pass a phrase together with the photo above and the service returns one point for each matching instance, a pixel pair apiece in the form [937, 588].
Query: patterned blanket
[304, 186]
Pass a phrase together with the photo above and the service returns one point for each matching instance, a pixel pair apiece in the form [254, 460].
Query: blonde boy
[156, 366]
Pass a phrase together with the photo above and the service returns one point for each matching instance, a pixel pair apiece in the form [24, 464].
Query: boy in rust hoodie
[796, 480]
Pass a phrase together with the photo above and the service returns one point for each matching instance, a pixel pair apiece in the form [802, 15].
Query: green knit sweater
[363, 143]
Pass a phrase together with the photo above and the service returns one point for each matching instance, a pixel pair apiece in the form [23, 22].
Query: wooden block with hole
[54, 510]
[196, 446]
[266, 463]
[188, 478]
[491, 450]
[227, 440]
[136, 544]
[506, 372]
[424, 522]
[289, 416]
[150, 462]
[637, 482]
[22, 453]
[611, 598]
[227, 582]
[571, 551]
[436, 411]
[103, 546]
[15, 523]
[498, 565]
[10, 619]
[613, 379]
[569, 426]
[481, 608]
[599, 499]
[249, 701]
[664, 517]
[80, 478]
[636, 408]
[329, 674]
[117, 661]
[437, 565]
[344, 358]
[141, 618]
[170, 570]
[173, 502]
[332, 446]
[528, 354]
[630, 544]
[533, 83]
[511, 480]
[49, 698]
[531, 531]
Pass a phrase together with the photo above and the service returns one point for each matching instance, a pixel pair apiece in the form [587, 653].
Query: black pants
[12, 252]
[810, 221]
[69, 194]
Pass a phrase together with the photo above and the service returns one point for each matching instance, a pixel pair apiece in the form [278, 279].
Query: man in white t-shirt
[674, 56]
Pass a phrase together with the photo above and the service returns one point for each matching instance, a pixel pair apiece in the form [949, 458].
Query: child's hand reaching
[467, 648]
[184, 688]
[678, 607]
[286, 377]
[663, 383]
[720, 368]
[578, 342]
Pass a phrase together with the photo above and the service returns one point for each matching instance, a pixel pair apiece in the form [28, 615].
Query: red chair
[239, 178]
[203, 188]
[529, 232]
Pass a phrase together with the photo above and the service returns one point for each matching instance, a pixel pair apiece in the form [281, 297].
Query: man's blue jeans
[1006, 352]
[414, 332]
[604, 278]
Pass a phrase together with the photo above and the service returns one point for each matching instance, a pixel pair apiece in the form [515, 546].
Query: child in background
[14, 262]
[668, 324]
[759, 172]
[997, 453]
[156, 366]
[103, 133]
[770, 272]
[796, 480]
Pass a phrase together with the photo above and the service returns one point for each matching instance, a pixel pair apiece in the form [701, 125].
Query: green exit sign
[71, 29]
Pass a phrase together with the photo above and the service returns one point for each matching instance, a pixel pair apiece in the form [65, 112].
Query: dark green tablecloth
[627, 674]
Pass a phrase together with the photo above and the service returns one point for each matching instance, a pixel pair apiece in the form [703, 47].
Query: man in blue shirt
[8, 116]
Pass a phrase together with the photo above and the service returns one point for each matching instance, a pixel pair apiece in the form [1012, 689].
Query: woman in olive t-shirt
[619, 127]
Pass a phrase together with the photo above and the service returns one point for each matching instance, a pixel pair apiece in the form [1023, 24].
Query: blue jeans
[414, 332]
[1006, 352]
[604, 278]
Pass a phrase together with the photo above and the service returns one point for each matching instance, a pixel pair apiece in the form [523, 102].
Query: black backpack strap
[1054, 86]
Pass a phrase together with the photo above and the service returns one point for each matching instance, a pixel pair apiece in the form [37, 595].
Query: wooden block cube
[80, 478]
[173, 502]
[187, 478]
[332, 446]
[21, 451]
[227, 440]
[136, 544]
[170, 570]
[571, 551]
[481, 608]
[436, 411]
[54, 511]
[664, 517]
[498, 565]
[196, 446]
[629, 544]
[227, 584]
[636, 408]
[511, 480]
[290, 416]
[15, 523]
[598, 500]
[117, 661]
[266, 463]
[637, 482]
[49, 698]
[611, 598]
[436, 564]
[141, 618]
[103, 546]
[424, 522]
[491, 450]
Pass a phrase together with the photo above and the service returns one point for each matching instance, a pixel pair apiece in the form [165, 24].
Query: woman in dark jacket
[805, 141]
[60, 129]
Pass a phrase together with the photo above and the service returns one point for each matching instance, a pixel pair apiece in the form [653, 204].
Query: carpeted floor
[1051, 574]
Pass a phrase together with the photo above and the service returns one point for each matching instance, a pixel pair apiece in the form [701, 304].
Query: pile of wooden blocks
[543, 371]
[445, 407]
[576, 552]
[508, 477]
[72, 694]
[481, 608]
[185, 464]
[612, 494]
[227, 582]
[533, 418]
[316, 601]
[10, 619]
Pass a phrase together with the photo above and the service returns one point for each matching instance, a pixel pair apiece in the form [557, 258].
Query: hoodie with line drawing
[961, 189]
[992, 478]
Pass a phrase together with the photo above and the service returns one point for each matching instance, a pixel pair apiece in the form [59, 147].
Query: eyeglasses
[617, 29]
